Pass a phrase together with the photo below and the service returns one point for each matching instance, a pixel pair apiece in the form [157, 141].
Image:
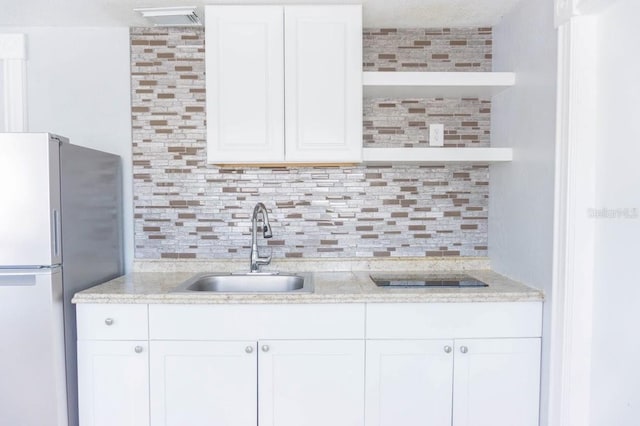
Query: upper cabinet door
[323, 85]
[245, 84]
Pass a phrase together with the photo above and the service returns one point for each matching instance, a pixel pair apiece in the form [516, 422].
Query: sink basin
[247, 283]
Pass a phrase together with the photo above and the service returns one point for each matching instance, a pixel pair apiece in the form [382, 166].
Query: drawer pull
[447, 349]
[464, 349]
[108, 321]
[248, 349]
[138, 349]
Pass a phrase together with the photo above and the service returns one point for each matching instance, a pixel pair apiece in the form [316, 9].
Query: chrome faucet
[256, 259]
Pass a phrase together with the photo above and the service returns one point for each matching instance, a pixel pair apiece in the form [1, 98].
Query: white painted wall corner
[13, 54]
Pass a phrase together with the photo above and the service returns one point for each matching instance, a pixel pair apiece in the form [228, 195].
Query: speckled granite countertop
[330, 287]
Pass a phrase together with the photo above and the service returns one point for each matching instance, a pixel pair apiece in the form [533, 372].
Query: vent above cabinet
[184, 16]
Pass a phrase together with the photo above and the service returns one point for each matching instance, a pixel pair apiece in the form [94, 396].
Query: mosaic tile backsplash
[185, 208]
[393, 123]
[427, 49]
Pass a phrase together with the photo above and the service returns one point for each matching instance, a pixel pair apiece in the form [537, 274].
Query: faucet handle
[265, 260]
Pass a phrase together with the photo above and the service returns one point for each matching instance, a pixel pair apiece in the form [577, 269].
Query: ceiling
[377, 13]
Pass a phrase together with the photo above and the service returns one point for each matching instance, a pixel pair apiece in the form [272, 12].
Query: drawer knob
[265, 348]
[447, 349]
[108, 321]
[464, 349]
[248, 349]
[138, 349]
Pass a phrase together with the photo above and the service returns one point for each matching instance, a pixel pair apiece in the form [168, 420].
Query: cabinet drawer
[112, 322]
[453, 320]
[253, 322]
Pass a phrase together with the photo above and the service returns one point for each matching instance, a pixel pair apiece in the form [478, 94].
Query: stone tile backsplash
[185, 208]
[427, 49]
[393, 123]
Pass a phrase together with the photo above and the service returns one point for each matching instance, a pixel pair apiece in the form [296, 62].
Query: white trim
[15, 96]
[13, 46]
[572, 295]
[593, 6]
[565, 10]
[13, 55]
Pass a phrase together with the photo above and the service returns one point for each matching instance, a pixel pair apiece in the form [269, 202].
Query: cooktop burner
[425, 280]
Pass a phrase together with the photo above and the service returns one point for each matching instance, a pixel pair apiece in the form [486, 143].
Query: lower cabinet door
[203, 383]
[496, 382]
[311, 383]
[113, 383]
[409, 382]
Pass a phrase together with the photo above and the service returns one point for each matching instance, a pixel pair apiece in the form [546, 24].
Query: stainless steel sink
[247, 283]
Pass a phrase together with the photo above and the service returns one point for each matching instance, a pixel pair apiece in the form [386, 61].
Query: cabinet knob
[464, 349]
[265, 348]
[447, 349]
[248, 349]
[108, 321]
[138, 349]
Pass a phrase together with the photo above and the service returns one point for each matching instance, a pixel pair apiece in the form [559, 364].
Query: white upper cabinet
[284, 84]
[323, 83]
[245, 84]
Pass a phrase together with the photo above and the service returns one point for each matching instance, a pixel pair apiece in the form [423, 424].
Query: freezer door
[32, 370]
[30, 194]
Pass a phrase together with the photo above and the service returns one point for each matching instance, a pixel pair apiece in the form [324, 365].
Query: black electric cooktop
[425, 280]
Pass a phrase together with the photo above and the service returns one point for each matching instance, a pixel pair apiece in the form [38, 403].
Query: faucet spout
[256, 259]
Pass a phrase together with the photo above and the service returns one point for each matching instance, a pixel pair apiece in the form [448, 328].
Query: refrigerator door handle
[24, 279]
[56, 233]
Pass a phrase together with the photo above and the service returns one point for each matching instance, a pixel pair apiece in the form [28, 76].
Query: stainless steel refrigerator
[60, 232]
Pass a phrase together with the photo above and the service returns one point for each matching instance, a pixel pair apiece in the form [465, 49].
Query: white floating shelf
[407, 85]
[434, 156]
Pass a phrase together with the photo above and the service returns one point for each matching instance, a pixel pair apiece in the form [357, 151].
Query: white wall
[78, 86]
[522, 192]
[2, 125]
[615, 376]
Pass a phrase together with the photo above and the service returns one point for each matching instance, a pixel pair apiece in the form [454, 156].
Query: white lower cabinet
[496, 382]
[453, 364]
[113, 382]
[113, 365]
[380, 364]
[203, 383]
[474, 382]
[409, 382]
[270, 382]
[311, 383]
